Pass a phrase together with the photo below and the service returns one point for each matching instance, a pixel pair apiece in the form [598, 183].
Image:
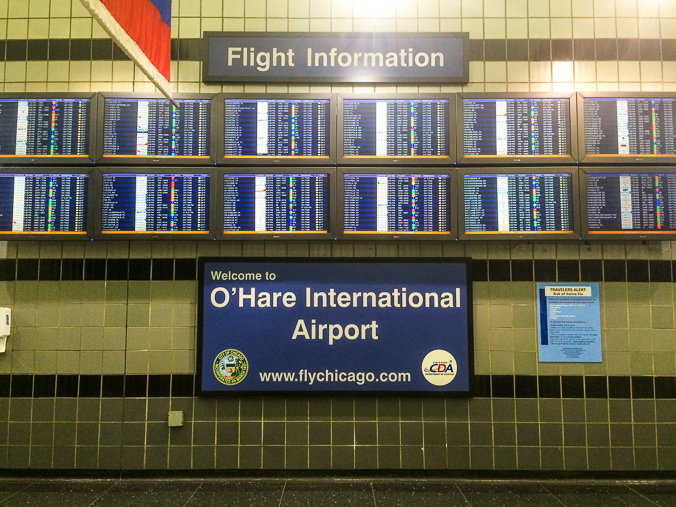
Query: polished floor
[334, 492]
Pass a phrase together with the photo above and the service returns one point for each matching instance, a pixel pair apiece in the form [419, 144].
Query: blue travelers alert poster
[569, 323]
[318, 325]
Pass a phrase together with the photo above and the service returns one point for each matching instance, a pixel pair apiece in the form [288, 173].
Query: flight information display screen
[516, 127]
[44, 127]
[631, 203]
[43, 203]
[518, 203]
[396, 203]
[146, 127]
[155, 203]
[275, 203]
[277, 128]
[629, 126]
[395, 128]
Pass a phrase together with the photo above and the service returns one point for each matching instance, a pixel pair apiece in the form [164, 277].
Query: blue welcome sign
[301, 325]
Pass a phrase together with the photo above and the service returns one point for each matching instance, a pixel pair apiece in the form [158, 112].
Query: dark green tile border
[488, 386]
[494, 270]
[479, 50]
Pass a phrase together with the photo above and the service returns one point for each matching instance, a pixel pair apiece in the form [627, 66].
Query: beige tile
[626, 8]
[68, 362]
[607, 71]
[668, 9]
[321, 25]
[649, 28]
[136, 362]
[496, 72]
[517, 72]
[235, 8]
[408, 9]
[212, 25]
[560, 8]
[212, 9]
[233, 24]
[494, 8]
[17, 9]
[540, 72]
[651, 71]
[627, 27]
[538, 8]
[604, 8]
[561, 28]
[494, 28]
[475, 27]
[113, 362]
[299, 9]
[38, 8]
[585, 72]
[37, 28]
[428, 25]
[538, 28]
[629, 71]
[502, 362]
[501, 316]
[276, 9]
[449, 8]
[583, 28]
[472, 8]
[17, 28]
[582, 8]
[517, 28]
[450, 25]
[650, 8]
[517, 8]
[60, 8]
[476, 71]
[604, 28]
[36, 71]
[254, 8]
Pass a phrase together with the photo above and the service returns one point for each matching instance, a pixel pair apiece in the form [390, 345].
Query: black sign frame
[300, 74]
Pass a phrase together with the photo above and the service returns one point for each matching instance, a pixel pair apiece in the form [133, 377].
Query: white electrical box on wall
[5, 324]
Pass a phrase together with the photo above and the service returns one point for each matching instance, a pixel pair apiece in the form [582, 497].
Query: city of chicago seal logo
[230, 367]
[439, 367]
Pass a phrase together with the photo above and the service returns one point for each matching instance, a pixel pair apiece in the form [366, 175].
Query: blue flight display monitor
[396, 203]
[40, 127]
[277, 128]
[275, 203]
[495, 127]
[629, 126]
[153, 127]
[518, 203]
[155, 203]
[631, 203]
[43, 203]
[396, 128]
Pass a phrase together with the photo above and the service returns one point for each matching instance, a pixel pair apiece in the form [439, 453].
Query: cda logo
[230, 367]
[439, 367]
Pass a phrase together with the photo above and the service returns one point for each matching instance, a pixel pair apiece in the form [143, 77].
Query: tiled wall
[104, 332]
